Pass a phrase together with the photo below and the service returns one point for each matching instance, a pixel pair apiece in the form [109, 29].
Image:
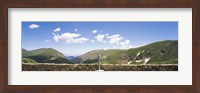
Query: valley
[160, 54]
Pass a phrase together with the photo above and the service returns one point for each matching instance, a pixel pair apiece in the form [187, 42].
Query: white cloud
[103, 48]
[104, 41]
[100, 37]
[47, 41]
[114, 47]
[125, 44]
[76, 29]
[69, 38]
[57, 30]
[33, 26]
[94, 31]
[114, 39]
[92, 40]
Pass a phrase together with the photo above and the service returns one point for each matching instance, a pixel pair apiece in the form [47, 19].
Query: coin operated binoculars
[99, 60]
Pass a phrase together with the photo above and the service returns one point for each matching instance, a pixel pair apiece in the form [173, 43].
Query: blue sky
[76, 38]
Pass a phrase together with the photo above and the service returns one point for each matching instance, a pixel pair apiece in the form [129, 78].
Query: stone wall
[88, 67]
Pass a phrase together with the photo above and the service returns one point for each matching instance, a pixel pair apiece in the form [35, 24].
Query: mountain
[48, 52]
[92, 56]
[26, 53]
[44, 55]
[71, 57]
[162, 52]
[28, 60]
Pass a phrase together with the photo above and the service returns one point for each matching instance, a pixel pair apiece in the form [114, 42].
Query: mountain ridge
[44, 55]
[161, 52]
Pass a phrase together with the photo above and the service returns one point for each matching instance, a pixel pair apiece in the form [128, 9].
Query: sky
[77, 38]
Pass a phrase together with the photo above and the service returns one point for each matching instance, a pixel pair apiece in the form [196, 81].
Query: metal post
[99, 64]
[99, 59]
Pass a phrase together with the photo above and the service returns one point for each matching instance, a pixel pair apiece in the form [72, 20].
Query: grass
[28, 60]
